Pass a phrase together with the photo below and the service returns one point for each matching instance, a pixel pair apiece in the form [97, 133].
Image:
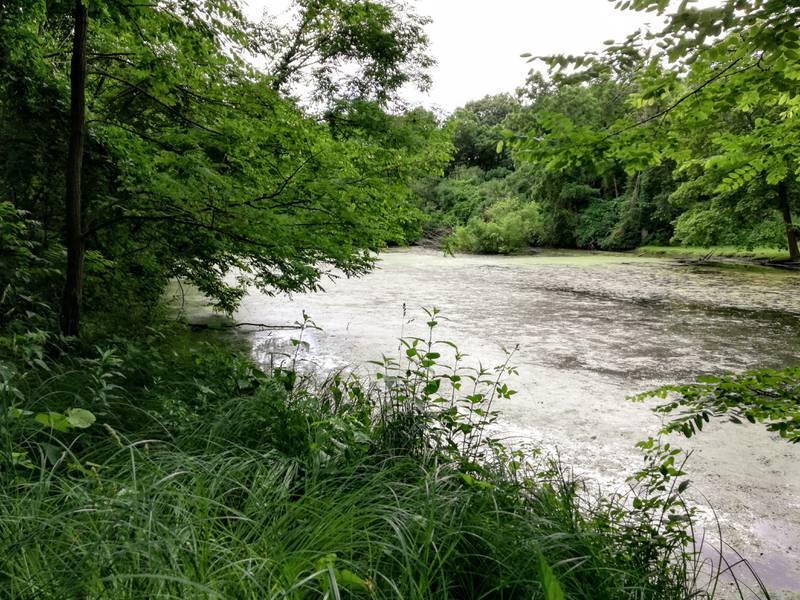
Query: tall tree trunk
[791, 231]
[73, 288]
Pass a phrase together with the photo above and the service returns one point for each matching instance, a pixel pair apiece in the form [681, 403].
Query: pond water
[591, 330]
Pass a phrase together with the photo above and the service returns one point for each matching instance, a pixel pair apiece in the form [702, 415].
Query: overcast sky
[478, 43]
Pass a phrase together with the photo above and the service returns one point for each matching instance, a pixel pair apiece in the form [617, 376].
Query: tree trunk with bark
[73, 288]
[791, 230]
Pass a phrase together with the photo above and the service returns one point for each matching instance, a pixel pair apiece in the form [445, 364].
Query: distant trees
[476, 128]
[686, 135]
[713, 94]
[577, 204]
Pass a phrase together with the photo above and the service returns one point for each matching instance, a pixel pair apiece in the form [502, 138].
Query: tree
[714, 89]
[582, 200]
[73, 288]
[412, 145]
[194, 166]
[346, 49]
[476, 129]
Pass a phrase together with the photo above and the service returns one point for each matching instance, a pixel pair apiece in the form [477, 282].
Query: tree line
[681, 135]
[144, 142]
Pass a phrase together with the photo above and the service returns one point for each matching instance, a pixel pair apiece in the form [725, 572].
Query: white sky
[478, 43]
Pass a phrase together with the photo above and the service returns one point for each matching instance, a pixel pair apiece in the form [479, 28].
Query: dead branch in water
[235, 325]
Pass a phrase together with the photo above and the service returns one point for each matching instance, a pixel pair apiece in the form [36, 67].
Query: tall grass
[206, 478]
[160, 522]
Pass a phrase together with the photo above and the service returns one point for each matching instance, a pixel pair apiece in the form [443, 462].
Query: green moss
[770, 254]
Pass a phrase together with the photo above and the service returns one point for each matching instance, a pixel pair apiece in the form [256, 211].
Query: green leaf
[333, 584]
[550, 585]
[52, 452]
[468, 479]
[21, 459]
[53, 420]
[18, 412]
[432, 386]
[80, 418]
[348, 579]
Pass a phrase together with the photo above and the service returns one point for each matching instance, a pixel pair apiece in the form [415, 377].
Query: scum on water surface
[592, 328]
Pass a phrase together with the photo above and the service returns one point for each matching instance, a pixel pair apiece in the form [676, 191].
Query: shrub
[29, 273]
[597, 224]
[715, 225]
[506, 227]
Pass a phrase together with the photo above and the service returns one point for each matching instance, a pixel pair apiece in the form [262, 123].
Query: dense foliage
[681, 136]
[194, 164]
[145, 142]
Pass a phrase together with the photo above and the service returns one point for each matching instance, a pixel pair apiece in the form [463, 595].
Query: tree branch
[167, 107]
[675, 104]
[284, 184]
[180, 220]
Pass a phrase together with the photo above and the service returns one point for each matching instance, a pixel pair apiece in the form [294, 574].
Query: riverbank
[592, 328]
[773, 257]
[161, 466]
[711, 253]
[208, 474]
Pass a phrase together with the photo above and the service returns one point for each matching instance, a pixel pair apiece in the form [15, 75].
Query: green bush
[714, 225]
[597, 224]
[29, 272]
[506, 227]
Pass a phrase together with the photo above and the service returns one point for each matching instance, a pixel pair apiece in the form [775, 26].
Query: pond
[592, 328]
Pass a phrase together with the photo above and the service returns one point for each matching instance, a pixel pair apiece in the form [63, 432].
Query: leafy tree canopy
[196, 165]
[477, 127]
[337, 49]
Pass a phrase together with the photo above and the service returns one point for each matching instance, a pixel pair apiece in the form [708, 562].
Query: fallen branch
[234, 325]
[703, 260]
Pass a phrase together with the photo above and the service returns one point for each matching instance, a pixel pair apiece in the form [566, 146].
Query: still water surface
[591, 329]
